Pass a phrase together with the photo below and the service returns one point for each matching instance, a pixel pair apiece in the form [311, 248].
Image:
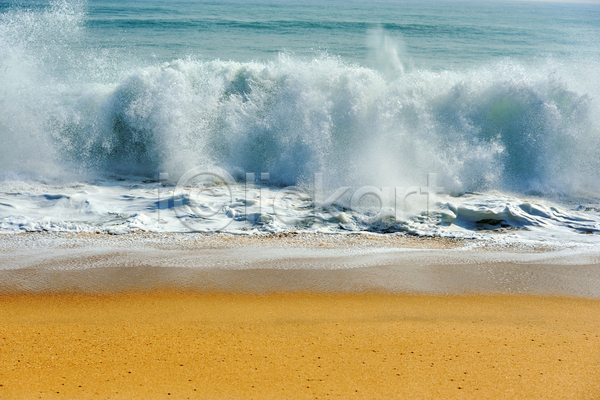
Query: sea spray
[73, 111]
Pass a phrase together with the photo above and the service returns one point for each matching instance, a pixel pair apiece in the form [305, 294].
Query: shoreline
[371, 263]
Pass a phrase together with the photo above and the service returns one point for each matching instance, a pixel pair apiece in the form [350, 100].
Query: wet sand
[185, 344]
[88, 263]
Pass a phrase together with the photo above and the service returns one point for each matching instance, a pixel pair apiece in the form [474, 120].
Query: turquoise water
[496, 98]
[432, 34]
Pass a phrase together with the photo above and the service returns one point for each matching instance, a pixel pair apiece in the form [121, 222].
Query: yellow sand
[194, 345]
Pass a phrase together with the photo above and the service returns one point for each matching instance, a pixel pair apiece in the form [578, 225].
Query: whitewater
[405, 118]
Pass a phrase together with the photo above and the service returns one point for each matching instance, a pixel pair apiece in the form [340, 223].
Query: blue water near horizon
[434, 34]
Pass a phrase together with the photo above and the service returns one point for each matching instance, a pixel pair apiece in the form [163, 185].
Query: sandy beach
[297, 345]
[294, 316]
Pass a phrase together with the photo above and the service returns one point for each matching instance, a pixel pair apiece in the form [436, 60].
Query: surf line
[217, 184]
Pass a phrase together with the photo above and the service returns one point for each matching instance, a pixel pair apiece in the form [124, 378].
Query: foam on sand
[39, 263]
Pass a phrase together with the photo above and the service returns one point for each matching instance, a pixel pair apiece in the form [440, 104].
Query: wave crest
[504, 126]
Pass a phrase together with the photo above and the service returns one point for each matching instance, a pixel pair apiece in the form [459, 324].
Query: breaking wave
[68, 109]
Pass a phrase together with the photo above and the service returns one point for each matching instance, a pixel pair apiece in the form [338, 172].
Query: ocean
[466, 119]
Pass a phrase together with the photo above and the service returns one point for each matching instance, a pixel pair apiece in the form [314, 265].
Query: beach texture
[186, 344]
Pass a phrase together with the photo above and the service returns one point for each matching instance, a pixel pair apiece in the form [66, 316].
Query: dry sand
[178, 344]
